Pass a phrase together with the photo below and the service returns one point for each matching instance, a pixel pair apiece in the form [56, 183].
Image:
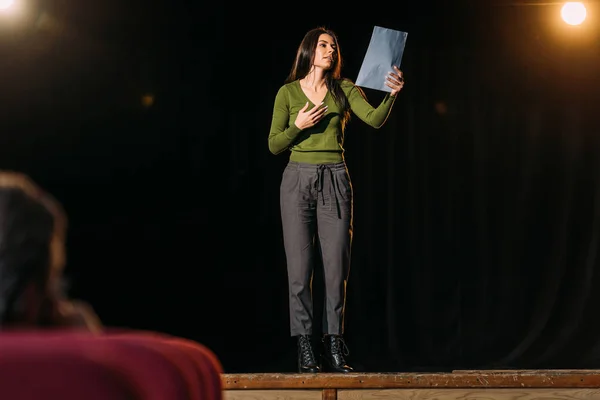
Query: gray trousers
[316, 213]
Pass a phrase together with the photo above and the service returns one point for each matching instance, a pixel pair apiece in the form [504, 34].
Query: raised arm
[372, 116]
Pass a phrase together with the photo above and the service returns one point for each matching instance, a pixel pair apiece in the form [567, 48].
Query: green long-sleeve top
[324, 142]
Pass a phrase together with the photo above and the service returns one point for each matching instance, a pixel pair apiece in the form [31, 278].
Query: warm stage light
[573, 13]
[5, 4]
[148, 100]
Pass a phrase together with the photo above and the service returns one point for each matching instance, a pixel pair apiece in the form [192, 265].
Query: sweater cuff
[292, 132]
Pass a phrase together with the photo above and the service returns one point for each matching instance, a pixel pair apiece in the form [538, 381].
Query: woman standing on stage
[310, 113]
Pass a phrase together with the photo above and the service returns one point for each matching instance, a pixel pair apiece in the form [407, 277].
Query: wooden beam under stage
[459, 384]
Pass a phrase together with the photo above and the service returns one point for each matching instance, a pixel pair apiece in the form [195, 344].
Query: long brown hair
[303, 63]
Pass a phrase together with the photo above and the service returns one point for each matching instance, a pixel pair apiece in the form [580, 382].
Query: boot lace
[338, 346]
[306, 350]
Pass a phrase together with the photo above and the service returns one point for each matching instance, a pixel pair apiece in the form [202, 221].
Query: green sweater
[324, 142]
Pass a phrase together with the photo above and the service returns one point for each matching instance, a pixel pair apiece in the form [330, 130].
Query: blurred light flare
[6, 4]
[14, 11]
[148, 100]
[573, 13]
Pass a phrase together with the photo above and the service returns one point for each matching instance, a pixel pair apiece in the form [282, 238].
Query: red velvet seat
[199, 364]
[149, 366]
[210, 368]
[35, 369]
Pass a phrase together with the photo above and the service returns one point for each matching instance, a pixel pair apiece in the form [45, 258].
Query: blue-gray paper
[385, 50]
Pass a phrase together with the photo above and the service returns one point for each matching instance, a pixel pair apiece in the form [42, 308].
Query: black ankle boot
[306, 357]
[335, 351]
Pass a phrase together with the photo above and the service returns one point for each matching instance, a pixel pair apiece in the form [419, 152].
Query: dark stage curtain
[477, 226]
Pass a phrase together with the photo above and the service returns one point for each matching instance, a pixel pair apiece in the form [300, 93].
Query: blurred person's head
[32, 250]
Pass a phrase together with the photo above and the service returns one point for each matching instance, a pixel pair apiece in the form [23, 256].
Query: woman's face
[325, 52]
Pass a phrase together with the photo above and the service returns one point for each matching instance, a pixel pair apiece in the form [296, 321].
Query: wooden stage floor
[460, 384]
